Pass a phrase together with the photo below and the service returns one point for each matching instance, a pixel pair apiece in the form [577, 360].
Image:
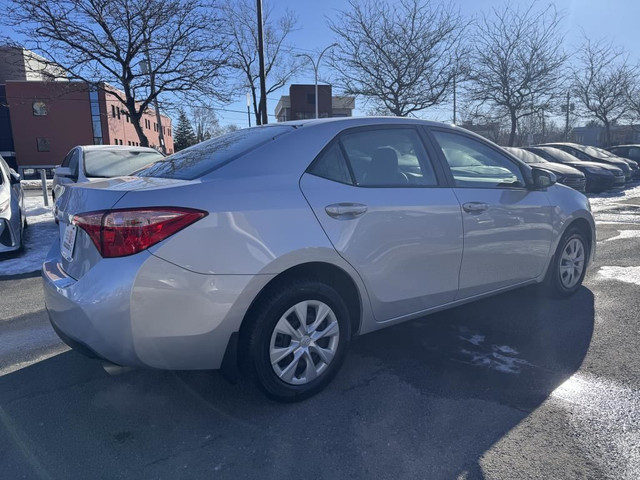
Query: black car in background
[635, 169]
[590, 154]
[600, 176]
[628, 152]
[565, 174]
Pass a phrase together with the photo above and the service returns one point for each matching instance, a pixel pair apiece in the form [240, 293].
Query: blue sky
[617, 20]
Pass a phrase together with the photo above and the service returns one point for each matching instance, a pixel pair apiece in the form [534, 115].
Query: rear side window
[393, 157]
[381, 157]
[205, 157]
[332, 165]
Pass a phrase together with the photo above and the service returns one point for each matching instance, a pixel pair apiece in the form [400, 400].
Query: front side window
[474, 164]
[393, 157]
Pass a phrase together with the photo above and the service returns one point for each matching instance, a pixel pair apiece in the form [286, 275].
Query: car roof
[358, 121]
[625, 145]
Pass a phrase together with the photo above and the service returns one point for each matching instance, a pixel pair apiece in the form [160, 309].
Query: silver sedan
[12, 219]
[264, 251]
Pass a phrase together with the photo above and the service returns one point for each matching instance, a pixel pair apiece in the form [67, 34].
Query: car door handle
[345, 211]
[475, 207]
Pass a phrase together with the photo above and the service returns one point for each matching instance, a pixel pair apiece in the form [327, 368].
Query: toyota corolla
[270, 248]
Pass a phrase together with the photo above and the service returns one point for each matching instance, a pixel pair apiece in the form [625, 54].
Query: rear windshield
[117, 163]
[196, 161]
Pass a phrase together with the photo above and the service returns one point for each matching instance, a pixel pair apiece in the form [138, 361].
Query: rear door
[507, 227]
[388, 211]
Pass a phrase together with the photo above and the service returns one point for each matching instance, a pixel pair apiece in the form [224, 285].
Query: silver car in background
[87, 163]
[12, 218]
[269, 248]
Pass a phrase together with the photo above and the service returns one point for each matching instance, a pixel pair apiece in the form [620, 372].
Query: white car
[271, 247]
[12, 219]
[86, 163]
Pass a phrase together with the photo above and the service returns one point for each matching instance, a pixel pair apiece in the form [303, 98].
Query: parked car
[12, 217]
[565, 174]
[635, 170]
[600, 176]
[87, 163]
[629, 152]
[590, 154]
[268, 248]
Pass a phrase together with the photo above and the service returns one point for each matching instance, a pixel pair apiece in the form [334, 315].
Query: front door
[507, 227]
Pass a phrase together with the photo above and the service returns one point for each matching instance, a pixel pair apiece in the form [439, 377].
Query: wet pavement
[515, 386]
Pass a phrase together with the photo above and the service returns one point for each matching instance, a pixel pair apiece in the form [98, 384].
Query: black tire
[268, 312]
[554, 282]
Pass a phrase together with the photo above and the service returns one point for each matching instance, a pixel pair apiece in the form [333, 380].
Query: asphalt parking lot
[515, 386]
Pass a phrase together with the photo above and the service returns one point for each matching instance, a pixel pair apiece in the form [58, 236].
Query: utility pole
[263, 87]
[316, 64]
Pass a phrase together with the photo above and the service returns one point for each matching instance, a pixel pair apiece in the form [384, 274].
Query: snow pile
[622, 274]
[35, 184]
[38, 237]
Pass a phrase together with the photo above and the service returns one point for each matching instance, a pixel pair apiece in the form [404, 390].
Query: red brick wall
[67, 123]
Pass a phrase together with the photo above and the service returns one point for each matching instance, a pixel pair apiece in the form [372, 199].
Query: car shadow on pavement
[424, 399]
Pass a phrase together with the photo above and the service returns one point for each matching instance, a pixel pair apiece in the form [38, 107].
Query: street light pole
[315, 65]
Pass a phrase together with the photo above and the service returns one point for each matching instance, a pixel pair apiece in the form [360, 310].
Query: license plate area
[68, 242]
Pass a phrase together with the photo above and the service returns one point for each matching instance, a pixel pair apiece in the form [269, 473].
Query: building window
[39, 109]
[95, 116]
[120, 142]
[169, 131]
[43, 144]
[118, 112]
[115, 141]
[113, 111]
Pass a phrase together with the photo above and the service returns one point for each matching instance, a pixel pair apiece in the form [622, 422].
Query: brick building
[43, 117]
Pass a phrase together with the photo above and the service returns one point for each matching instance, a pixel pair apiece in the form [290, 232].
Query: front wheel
[298, 340]
[569, 264]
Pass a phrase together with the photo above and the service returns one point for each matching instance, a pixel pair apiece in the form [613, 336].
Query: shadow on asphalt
[425, 399]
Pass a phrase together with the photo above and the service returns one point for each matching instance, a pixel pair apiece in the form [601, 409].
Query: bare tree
[517, 61]
[205, 122]
[280, 61]
[602, 82]
[402, 57]
[144, 48]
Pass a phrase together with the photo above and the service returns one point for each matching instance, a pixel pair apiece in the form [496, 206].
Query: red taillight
[118, 233]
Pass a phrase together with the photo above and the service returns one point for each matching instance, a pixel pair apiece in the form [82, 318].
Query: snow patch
[622, 274]
[624, 234]
[501, 358]
[38, 237]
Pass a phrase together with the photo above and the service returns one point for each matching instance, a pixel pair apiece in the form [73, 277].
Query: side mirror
[63, 172]
[15, 177]
[543, 179]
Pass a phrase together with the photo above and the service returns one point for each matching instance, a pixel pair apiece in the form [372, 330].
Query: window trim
[441, 179]
[522, 167]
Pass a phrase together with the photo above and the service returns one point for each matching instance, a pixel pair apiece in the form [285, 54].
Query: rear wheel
[298, 339]
[569, 264]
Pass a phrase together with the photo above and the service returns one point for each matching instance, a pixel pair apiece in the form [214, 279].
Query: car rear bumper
[142, 311]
